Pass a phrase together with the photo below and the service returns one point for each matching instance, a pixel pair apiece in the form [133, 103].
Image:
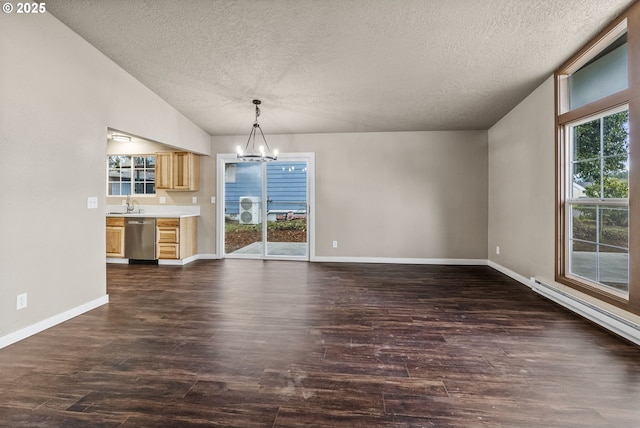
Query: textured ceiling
[339, 65]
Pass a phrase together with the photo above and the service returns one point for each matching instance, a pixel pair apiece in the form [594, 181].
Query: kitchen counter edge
[153, 215]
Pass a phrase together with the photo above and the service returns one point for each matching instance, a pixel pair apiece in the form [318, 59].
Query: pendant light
[264, 153]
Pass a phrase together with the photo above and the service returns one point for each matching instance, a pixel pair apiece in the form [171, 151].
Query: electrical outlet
[497, 250]
[335, 244]
[213, 199]
[21, 301]
[194, 199]
[163, 200]
[92, 202]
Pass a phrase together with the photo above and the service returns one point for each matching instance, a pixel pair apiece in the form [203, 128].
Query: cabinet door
[164, 169]
[186, 171]
[115, 241]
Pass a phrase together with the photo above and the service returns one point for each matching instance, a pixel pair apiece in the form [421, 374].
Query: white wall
[399, 195]
[58, 95]
[522, 186]
[522, 192]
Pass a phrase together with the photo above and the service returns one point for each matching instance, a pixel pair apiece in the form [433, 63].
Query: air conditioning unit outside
[250, 210]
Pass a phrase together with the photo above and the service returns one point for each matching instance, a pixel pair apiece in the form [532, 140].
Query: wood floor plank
[246, 343]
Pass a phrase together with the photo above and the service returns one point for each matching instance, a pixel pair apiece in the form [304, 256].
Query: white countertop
[156, 211]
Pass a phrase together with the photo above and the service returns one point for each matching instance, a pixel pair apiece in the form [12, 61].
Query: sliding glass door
[243, 209]
[265, 207]
[287, 209]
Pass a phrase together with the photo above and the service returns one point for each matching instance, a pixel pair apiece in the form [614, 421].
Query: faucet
[130, 206]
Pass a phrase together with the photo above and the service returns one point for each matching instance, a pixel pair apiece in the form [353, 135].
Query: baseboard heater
[618, 325]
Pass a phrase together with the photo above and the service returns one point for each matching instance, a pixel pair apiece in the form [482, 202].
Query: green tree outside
[604, 171]
[601, 158]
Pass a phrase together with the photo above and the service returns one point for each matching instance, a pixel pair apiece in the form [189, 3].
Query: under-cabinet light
[117, 137]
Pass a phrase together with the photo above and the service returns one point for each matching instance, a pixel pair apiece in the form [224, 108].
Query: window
[131, 175]
[598, 200]
[596, 162]
[604, 75]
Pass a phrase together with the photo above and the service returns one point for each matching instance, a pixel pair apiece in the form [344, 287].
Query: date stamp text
[30, 7]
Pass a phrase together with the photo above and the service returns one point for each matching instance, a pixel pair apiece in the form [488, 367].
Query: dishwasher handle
[139, 221]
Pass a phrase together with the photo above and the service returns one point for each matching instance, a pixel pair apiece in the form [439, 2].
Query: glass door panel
[286, 209]
[265, 210]
[243, 209]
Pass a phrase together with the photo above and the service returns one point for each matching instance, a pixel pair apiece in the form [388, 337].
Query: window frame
[628, 21]
[133, 182]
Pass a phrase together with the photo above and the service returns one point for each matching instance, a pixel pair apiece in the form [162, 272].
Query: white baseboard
[407, 261]
[208, 257]
[180, 262]
[612, 322]
[21, 334]
[510, 273]
[188, 260]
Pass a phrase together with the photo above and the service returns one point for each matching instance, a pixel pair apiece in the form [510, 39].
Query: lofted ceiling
[339, 65]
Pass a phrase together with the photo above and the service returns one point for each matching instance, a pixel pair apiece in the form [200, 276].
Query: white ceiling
[339, 65]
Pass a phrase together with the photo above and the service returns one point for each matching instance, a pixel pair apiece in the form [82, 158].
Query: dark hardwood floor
[241, 343]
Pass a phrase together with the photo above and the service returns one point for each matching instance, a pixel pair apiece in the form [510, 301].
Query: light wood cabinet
[115, 237]
[176, 238]
[163, 170]
[186, 171]
[177, 171]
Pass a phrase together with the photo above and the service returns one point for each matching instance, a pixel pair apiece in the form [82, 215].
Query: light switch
[92, 202]
[194, 199]
[163, 199]
[213, 199]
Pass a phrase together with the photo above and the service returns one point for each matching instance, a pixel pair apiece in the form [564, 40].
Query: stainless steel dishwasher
[140, 238]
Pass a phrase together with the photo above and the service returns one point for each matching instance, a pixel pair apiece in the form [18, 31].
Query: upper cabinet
[164, 167]
[177, 171]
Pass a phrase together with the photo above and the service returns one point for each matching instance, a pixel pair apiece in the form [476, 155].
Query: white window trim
[137, 195]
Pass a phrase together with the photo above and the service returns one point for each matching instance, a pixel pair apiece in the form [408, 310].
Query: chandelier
[249, 153]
